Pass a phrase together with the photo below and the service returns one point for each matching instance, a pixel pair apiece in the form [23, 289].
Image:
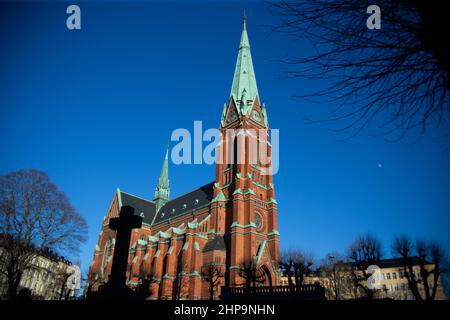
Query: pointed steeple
[244, 89]
[163, 189]
[224, 113]
[264, 113]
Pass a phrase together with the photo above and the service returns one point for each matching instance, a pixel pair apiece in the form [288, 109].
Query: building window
[394, 275]
[109, 247]
[258, 221]
[390, 287]
[403, 287]
[388, 276]
[400, 274]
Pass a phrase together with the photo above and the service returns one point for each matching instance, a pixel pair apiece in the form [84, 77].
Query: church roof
[174, 208]
[141, 206]
[218, 243]
[185, 203]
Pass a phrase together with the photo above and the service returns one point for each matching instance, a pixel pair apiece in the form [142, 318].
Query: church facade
[228, 223]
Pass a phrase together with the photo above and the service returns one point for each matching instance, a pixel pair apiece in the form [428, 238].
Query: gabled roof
[185, 203]
[174, 208]
[141, 206]
[218, 243]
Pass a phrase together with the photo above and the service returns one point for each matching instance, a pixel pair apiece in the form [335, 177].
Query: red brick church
[226, 223]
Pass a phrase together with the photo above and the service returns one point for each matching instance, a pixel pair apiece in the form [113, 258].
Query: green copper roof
[119, 198]
[220, 197]
[266, 121]
[244, 86]
[163, 180]
[260, 252]
[163, 189]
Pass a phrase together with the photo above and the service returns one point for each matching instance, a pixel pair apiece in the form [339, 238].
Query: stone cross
[124, 224]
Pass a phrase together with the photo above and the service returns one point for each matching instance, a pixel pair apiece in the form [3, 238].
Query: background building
[45, 277]
[393, 281]
[395, 285]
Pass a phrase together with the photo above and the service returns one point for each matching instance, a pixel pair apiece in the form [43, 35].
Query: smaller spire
[245, 20]
[163, 189]
[264, 112]
[163, 180]
[224, 113]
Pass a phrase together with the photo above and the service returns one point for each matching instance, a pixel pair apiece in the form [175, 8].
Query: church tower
[244, 202]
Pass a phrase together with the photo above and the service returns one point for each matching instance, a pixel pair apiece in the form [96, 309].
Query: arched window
[109, 248]
[258, 141]
[107, 253]
[235, 151]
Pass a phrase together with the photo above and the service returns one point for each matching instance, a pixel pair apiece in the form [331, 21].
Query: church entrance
[267, 279]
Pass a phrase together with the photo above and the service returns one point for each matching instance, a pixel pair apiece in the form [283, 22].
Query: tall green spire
[163, 189]
[244, 89]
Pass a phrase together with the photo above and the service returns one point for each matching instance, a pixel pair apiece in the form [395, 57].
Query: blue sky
[95, 108]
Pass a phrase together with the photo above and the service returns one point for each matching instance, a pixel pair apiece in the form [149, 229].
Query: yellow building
[394, 284]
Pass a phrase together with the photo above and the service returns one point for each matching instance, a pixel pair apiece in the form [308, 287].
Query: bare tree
[93, 280]
[430, 259]
[34, 215]
[287, 266]
[337, 272]
[145, 282]
[296, 264]
[303, 265]
[446, 279]
[61, 278]
[212, 275]
[180, 279]
[364, 252]
[251, 273]
[399, 74]
[85, 282]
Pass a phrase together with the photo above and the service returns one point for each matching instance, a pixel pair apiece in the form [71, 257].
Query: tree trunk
[211, 291]
[68, 294]
[13, 285]
[412, 283]
[290, 282]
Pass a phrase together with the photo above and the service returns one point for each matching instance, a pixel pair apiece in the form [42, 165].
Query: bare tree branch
[34, 215]
[397, 77]
[430, 259]
[364, 252]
